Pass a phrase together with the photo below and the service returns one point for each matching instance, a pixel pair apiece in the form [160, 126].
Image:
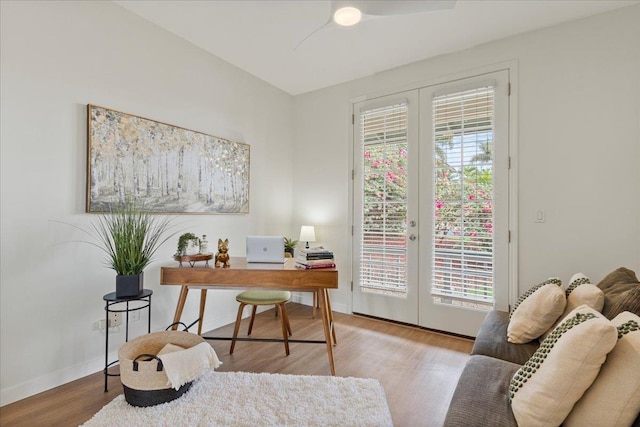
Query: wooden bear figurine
[222, 256]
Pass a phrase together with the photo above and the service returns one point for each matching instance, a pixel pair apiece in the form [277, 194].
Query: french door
[431, 204]
[386, 208]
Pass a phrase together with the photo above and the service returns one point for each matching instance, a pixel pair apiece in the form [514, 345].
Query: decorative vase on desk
[129, 285]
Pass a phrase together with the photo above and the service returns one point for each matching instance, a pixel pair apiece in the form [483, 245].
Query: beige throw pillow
[543, 390]
[588, 294]
[536, 311]
[580, 291]
[575, 281]
[614, 397]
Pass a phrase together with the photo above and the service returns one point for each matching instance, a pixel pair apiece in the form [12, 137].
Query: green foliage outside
[463, 206]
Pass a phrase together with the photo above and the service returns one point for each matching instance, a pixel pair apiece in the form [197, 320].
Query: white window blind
[462, 255]
[383, 254]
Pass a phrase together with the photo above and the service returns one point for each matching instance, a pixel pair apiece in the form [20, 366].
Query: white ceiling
[260, 37]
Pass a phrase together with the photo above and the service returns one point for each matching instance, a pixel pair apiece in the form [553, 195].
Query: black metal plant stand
[110, 301]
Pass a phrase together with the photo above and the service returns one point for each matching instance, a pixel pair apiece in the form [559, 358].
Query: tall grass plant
[130, 237]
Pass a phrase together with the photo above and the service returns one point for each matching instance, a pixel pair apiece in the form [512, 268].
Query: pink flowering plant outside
[385, 193]
[462, 203]
[463, 209]
[463, 198]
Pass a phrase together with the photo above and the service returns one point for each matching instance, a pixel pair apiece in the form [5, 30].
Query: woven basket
[143, 377]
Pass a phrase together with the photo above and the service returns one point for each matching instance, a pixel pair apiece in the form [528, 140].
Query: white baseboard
[306, 298]
[53, 379]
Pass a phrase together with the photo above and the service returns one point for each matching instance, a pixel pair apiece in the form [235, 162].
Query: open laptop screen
[265, 249]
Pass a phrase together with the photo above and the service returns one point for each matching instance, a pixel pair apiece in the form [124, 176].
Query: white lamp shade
[307, 233]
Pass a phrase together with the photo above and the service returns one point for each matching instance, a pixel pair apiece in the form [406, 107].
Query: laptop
[265, 249]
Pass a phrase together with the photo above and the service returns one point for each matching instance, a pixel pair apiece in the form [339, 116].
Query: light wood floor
[417, 368]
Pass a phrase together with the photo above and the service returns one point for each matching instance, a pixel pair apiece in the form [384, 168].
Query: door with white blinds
[464, 202]
[431, 204]
[385, 208]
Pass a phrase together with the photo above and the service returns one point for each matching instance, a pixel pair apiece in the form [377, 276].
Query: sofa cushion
[614, 397]
[481, 397]
[536, 311]
[492, 340]
[621, 292]
[544, 389]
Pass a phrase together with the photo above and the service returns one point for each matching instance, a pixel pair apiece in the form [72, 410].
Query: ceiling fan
[350, 12]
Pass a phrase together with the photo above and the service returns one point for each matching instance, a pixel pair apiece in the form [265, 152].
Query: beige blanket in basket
[187, 365]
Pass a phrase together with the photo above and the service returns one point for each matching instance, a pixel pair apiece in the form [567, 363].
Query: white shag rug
[248, 399]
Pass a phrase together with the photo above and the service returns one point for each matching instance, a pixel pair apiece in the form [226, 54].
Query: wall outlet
[115, 319]
[134, 316]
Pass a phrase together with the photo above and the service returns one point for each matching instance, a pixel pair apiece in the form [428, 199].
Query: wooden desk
[241, 275]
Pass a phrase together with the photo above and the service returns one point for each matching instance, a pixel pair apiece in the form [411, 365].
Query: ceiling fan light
[347, 16]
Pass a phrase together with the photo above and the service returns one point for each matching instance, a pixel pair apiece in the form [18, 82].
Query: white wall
[578, 96]
[56, 57]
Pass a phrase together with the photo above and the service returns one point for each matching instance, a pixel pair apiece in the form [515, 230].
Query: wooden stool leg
[286, 318]
[253, 316]
[237, 327]
[285, 334]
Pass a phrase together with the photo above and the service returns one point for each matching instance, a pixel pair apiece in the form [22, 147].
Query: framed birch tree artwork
[165, 168]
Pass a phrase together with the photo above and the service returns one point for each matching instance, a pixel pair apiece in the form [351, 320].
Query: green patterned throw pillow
[575, 281]
[532, 290]
[535, 311]
[614, 397]
[543, 390]
[580, 291]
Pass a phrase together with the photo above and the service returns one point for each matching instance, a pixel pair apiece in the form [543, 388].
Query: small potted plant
[289, 246]
[184, 242]
[130, 237]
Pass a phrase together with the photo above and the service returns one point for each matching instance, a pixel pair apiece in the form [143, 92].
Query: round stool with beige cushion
[256, 298]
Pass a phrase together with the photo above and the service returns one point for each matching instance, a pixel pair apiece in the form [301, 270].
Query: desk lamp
[307, 234]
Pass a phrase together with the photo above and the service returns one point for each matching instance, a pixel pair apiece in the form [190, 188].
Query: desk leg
[333, 326]
[203, 300]
[322, 299]
[184, 290]
[315, 302]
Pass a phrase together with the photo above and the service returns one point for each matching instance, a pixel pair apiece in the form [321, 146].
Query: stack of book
[315, 258]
